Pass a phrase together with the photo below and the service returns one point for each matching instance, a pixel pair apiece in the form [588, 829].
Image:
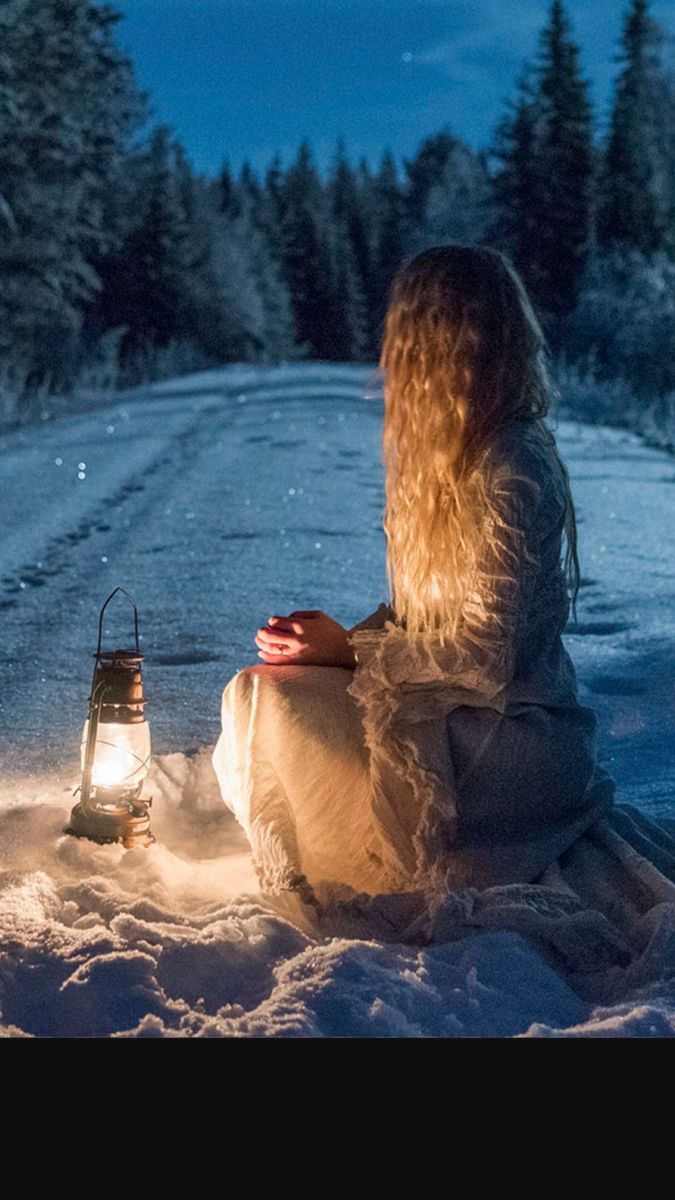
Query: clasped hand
[308, 637]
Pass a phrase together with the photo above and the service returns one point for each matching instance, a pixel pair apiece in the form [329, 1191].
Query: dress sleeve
[375, 620]
[476, 665]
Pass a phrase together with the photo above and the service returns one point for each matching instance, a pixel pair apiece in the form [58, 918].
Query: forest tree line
[120, 263]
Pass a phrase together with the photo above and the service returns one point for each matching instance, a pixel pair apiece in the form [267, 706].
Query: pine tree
[195, 244]
[366, 186]
[566, 163]
[351, 267]
[456, 204]
[306, 255]
[249, 185]
[257, 228]
[389, 252]
[213, 320]
[251, 318]
[423, 172]
[274, 194]
[228, 192]
[666, 109]
[144, 278]
[349, 335]
[544, 191]
[634, 193]
[517, 198]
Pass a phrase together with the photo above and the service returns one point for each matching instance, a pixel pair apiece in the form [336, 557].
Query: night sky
[243, 79]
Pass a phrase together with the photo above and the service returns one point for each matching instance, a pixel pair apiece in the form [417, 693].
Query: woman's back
[520, 605]
[508, 650]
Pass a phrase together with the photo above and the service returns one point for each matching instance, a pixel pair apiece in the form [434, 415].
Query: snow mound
[176, 940]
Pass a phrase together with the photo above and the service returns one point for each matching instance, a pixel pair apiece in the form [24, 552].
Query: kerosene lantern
[115, 749]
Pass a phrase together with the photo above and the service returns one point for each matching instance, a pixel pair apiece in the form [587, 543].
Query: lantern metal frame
[116, 813]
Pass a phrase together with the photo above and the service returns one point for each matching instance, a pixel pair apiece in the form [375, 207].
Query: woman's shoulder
[523, 447]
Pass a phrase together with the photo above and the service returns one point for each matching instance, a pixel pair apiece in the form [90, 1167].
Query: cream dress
[431, 791]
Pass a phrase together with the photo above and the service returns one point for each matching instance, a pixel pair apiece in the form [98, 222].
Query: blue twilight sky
[242, 79]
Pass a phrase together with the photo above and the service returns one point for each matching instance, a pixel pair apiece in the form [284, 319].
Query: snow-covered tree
[68, 105]
[255, 228]
[624, 323]
[448, 190]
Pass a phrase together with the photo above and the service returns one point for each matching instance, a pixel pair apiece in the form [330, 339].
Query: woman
[439, 748]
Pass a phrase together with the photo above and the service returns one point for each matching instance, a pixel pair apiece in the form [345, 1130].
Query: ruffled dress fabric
[432, 791]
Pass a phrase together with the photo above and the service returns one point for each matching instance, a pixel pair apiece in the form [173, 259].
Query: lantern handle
[100, 620]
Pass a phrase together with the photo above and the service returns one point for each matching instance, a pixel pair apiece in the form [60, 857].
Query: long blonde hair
[462, 353]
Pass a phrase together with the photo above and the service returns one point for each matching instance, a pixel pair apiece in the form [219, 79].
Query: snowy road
[214, 504]
[217, 500]
[227, 496]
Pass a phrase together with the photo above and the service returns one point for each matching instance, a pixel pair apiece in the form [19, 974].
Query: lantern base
[114, 825]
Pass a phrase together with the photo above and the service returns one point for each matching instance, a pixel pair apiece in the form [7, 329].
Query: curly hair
[462, 353]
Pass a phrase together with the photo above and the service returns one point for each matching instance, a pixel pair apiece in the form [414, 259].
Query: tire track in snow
[170, 461]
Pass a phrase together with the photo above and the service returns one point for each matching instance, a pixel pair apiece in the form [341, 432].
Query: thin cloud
[498, 32]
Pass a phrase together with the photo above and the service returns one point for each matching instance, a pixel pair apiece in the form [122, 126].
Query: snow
[217, 500]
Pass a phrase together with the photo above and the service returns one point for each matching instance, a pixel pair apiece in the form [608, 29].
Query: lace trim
[393, 708]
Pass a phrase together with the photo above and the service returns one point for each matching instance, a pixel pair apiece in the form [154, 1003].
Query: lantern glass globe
[121, 754]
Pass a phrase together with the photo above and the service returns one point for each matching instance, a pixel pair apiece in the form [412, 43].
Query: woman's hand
[306, 636]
